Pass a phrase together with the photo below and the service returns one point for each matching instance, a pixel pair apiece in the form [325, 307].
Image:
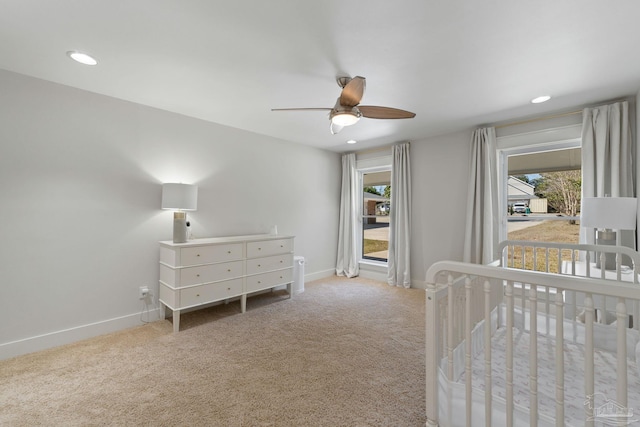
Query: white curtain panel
[607, 167]
[347, 262]
[399, 272]
[482, 222]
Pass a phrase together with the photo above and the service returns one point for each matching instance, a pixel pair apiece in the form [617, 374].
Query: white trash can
[298, 274]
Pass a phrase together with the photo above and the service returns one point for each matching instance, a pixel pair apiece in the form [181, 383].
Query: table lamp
[180, 197]
[608, 214]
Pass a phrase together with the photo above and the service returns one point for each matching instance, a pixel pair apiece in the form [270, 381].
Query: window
[543, 193]
[376, 207]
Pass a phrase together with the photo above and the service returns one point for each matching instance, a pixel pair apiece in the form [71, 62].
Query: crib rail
[549, 257]
[575, 260]
[455, 289]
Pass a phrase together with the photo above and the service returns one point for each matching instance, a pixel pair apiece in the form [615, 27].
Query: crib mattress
[574, 394]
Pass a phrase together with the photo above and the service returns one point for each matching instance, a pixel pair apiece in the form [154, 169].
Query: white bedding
[574, 395]
[452, 393]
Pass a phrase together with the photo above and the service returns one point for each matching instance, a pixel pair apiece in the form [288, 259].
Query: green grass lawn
[371, 246]
[547, 231]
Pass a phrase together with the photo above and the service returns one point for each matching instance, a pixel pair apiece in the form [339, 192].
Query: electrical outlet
[144, 292]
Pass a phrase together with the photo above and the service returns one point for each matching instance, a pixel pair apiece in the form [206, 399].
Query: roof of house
[518, 189]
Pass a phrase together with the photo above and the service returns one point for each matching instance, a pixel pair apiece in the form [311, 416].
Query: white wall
[439, 179]
[80, 184]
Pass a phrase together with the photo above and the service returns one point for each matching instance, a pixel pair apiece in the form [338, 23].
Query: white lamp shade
[180, 196]
[616, 213]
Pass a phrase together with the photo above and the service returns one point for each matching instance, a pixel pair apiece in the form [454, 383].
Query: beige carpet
[343, 353]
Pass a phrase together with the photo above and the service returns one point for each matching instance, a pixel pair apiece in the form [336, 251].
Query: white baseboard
[319, 275]
[379, 273]
[67, 336]
[419, 284]
[373, 275]
[310, 278]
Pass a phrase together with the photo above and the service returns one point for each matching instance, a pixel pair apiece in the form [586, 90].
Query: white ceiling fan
[347, 110]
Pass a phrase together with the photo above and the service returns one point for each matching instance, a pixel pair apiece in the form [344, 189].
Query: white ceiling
[456, 64]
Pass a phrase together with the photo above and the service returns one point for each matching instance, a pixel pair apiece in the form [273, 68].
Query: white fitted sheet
[574, 394]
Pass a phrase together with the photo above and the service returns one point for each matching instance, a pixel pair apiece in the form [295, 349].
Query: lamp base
[606, 237]
[180, 227]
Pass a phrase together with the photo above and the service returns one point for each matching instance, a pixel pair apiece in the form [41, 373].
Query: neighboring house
[519, 192]
[375, 204]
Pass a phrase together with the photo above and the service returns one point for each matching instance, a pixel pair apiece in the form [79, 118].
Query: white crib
[509, 346]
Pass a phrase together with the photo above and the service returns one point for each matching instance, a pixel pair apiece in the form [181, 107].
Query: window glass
[376, 207]
[543, 206]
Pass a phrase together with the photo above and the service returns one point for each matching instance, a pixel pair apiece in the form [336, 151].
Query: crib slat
[450, 330]
[621, 369]
[467, 350]
[513, 256]
[509, 352]
[533, 356]
[588, 359]
[523, 302]
[547, 303]
[636, 303]
[559, 359]
[546, 257]
[432, 354]
[487, 353]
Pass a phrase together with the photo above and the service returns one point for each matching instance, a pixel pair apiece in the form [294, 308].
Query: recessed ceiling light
[81, 57]
[540, 99]
[351, 141]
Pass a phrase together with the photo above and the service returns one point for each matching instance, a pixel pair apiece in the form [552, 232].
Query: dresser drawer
[209, 293]
[276, 262]
[210, 254]
[210, 273]
[268, 280]
[269, 247]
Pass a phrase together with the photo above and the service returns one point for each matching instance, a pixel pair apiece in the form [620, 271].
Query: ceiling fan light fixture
[346, 118]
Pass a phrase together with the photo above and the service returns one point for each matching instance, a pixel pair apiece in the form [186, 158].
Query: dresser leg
[290, 289]
[176, 320]
[243, 303]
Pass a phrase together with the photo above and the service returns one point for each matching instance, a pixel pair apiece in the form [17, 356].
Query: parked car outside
[519, 208]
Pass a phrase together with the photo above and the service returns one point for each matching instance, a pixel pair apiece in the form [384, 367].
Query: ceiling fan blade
[335, 128]
[301, 109]
[352, 92]
[375, 112]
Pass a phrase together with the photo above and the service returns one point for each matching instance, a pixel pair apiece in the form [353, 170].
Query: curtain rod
[537, 119]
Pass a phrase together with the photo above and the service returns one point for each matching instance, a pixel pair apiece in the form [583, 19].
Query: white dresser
[203, 271]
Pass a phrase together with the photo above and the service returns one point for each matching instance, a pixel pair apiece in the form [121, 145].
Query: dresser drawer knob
[197, 255]
[197, 275]
[281, 277]
[280, 261]
[259, 265]
[228, 252]
[259, 249]
[228, 289]
[259, 282]
[197, 295]
[282, 246]
[229, 270]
